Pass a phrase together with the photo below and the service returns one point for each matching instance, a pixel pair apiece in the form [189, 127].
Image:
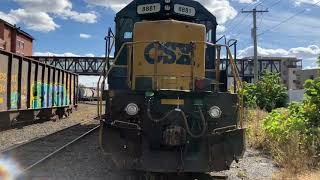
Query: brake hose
[204, 124]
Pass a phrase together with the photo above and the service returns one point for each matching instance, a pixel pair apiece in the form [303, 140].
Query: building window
[20, 44]
[2, 44]
[312, 77]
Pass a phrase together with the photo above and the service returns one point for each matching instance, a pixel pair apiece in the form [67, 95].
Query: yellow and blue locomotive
[167, 108]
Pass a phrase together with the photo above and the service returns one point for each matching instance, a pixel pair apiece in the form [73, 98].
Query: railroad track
[32, 154]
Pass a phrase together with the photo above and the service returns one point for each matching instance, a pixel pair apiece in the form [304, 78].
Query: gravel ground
[254, 166]
[82, 161]
[24, 134]
[85, 161]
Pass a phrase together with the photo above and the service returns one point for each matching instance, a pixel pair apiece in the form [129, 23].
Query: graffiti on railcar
[3, 91]
[14, 95]
[50, 91]
[60, 96]
[45, 95]
[24, 100]
[35, 95]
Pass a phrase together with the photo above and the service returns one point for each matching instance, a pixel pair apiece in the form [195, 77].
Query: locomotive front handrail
[218, 46]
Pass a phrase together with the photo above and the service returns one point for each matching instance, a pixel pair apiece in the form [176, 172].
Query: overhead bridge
[88, 66]
[93, 66]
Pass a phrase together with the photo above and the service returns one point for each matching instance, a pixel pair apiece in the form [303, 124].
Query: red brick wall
[7, 38]
[26, 49]
[15, 42]
[2, 30]
[2, 42]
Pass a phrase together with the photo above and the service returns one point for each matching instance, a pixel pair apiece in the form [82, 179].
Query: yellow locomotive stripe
[172, 101]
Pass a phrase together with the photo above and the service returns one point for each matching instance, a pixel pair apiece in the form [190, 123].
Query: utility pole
[255, 40]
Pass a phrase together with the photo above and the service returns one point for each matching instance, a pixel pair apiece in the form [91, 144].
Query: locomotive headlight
[167, 1]
[215, 112]
[132, 109]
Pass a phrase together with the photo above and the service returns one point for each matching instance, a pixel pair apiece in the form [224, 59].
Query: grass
[307, 175]
[255, 135]
[293, 159]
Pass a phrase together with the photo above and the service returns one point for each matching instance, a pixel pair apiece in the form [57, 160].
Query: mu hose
[185, 119]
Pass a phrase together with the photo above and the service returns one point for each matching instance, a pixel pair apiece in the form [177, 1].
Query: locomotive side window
[209, 36]
[127, 35]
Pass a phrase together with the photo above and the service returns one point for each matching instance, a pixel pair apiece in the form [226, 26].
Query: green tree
[268, 93]
[299, 122]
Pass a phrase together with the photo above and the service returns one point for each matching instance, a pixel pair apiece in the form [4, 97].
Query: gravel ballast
[24, 134]
[85, 160]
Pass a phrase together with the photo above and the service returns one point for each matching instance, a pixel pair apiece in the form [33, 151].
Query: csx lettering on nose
[169, 53]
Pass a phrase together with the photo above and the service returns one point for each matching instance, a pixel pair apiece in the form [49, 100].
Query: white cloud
[67, 54]
[307, 54]
[115, 5]
[246, 1]
[85, 36]
[90, 17]
[38, 15]
[8, 17]
[221, 9]
[37, 21]
[62, 8]
[312, 51]
[299, 2]
[221, 29]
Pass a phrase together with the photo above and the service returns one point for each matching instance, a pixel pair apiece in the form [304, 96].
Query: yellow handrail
[234, 70]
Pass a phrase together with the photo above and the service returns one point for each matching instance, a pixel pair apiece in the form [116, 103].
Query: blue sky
[78, 27]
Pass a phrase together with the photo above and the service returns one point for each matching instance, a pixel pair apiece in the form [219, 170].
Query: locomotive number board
[156, 7]
[149, 8]
[184, 10]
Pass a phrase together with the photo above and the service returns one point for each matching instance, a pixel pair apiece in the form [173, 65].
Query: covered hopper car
[87, 94]
[31, 90]
[168, 111]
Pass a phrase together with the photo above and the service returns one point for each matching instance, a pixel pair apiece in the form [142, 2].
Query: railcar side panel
[28, 87]
[14, 93]
[3, 82]
[24, 84]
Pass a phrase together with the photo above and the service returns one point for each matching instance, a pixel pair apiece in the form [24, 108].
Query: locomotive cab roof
[183, 10]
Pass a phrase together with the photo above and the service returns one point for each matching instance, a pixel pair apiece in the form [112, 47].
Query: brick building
[306, 74]
[15, 40]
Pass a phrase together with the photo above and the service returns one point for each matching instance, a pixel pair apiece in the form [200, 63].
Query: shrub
[294, 133]
[268, 93]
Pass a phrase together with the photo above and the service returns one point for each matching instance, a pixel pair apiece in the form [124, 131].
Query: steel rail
[59, 150]
[5, 151]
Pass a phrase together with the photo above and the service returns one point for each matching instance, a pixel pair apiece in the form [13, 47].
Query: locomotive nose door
[165, 58]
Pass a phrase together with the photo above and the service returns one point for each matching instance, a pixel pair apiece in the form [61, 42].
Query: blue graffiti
[169, 53]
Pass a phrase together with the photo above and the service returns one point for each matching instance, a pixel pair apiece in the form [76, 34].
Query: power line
[244, 7]
[255, 40]
[260, 3]
[274, 4]
[286, 20]
[236, 27]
